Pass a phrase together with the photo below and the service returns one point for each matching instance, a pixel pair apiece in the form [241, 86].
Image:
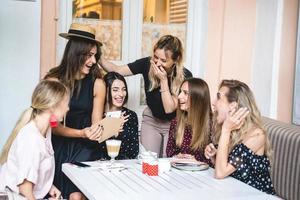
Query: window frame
[132, 22]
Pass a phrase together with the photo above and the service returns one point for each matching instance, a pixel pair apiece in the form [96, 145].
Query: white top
[131, 183]
[30, 157]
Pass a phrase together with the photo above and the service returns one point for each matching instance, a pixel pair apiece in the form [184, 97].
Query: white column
[20, 35]
[266, 57]
[196, 36]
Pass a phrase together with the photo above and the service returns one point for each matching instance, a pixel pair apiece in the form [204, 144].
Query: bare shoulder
[99, 86]
[255, 140]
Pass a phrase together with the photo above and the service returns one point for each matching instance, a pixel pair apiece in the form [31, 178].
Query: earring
[53, 121]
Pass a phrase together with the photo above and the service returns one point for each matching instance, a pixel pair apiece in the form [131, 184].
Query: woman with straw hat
[77, 140]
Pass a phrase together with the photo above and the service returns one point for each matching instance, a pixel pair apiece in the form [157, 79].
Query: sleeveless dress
[69, 149]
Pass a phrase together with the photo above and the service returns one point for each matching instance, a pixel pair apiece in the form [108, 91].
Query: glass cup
[146, 155]
[113, 148]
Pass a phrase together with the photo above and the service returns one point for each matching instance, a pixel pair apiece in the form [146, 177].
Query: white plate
[190, 167]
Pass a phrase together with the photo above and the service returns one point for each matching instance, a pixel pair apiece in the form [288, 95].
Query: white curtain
[296, 103]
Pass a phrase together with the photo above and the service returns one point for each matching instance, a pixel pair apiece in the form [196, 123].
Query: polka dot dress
[251, 168]
[129, 137]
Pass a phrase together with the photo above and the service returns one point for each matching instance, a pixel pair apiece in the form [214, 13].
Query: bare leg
[77, 196]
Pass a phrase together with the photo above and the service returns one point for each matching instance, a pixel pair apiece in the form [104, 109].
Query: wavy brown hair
[75, 55]
[198, 116]
[174, 45]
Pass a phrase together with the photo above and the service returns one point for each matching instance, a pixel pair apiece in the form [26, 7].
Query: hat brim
[70, 35]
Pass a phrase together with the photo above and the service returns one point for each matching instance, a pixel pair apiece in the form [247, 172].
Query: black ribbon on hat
[83, 33]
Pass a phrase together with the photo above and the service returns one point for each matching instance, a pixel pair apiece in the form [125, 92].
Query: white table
[176, 184]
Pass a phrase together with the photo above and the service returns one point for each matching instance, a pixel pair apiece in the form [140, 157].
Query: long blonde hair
[198, 116]
[240, 92]
[174, 45]
[46, 95]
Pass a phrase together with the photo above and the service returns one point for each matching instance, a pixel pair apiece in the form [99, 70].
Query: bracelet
[163, 90]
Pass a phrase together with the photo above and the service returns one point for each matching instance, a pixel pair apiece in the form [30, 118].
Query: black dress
[251, 168]
[130, 138]
[75, 149]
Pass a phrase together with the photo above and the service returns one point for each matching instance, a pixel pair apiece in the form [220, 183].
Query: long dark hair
[109, 78]
[76, 53]
[198, 116]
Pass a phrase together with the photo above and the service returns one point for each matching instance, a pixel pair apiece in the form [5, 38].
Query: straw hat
[81, 31]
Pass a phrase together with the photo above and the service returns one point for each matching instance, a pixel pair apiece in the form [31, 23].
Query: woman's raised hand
[235, 119]
[159, 71]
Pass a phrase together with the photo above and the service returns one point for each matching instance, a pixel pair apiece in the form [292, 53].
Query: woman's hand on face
[235, 119]
[159, 72]
[94, 132]
[210, 151]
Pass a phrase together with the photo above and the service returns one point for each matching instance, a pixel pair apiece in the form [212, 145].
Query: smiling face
[163, 59]
[183, 97]
[118, 94]
[90, 61]
[221, 106]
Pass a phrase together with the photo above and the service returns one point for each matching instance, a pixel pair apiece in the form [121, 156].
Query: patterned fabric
[130, 139]
[285, 143]
[173, 149]
[251, 168]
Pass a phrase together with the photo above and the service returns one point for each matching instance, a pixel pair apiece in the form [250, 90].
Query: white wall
[266, 54]
[20, 59]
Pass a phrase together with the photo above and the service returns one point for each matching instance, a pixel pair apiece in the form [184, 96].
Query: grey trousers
[154, 133]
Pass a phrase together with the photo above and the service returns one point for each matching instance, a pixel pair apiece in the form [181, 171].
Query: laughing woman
[163, 74]
[191, 129]
[77, 140]
[117, 96]
[243, 146]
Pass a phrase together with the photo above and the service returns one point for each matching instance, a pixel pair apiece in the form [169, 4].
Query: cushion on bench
[285, 143]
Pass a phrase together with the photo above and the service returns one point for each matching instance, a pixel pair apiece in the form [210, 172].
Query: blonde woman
[190, 131]
[163, 74]
[243, 147]
[28, 156]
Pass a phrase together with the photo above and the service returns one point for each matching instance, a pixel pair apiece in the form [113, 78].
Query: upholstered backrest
[285, 142]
